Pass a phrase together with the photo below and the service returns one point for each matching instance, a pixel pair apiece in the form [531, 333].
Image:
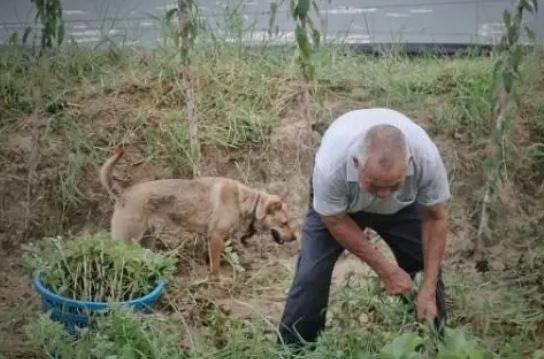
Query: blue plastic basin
[76, 313]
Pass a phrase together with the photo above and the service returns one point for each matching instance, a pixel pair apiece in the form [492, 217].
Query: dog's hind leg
[128, 227]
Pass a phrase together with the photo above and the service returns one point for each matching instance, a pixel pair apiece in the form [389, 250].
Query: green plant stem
[506, 71]
[184, 16]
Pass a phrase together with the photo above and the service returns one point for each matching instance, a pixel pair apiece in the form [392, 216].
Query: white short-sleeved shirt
[335, 179]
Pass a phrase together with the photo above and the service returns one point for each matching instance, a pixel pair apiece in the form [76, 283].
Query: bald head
[382, 146]
[381, 159]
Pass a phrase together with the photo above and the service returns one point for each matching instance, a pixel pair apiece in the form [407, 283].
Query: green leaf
[474, 353]
[512, 35]
[515, 58]
[316, 8]
[508, 80]
[530, 33]
[310, 23]
[311, 71]
[170, 14]
[293, 8]
[302, 41]
[456, 341]
[13, 38]
[316, 36]
[127, 352]
[498, 65]
[60, 34]
[402, 346]
[303, 8]
[529, 6]
[507, 18]
[273, 12]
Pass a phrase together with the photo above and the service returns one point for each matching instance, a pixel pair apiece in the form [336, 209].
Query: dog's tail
[105, 171]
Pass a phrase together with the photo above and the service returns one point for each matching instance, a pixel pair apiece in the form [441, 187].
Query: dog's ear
[273, 205]
[267, 207]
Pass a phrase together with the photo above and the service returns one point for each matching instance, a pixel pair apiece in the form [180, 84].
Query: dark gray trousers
[305, 308]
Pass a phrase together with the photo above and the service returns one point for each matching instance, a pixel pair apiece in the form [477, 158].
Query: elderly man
[375, 168]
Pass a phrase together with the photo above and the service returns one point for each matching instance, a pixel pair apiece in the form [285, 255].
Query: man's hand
[397, 282]
[426, 305]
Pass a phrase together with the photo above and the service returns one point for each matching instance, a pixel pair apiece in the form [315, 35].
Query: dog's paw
[214, 278]
[219, 280]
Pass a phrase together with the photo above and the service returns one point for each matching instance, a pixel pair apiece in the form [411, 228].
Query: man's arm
[331, 202]
[433, 194]
[352, 238]
[435, 224]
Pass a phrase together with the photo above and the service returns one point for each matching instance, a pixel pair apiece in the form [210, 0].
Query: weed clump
[96, 268]
[123, 334]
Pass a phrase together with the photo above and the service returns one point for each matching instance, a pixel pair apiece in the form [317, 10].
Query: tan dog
[212, 206]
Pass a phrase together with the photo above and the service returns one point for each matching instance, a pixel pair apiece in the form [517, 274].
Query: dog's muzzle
[280, 239]
[277, 238]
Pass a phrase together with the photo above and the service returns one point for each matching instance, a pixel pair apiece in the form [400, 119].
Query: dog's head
[271, 214]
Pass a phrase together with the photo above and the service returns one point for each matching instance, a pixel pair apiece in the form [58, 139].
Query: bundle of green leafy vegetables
[97, 268]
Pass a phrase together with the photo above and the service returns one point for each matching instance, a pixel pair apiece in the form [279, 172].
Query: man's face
[378, 181]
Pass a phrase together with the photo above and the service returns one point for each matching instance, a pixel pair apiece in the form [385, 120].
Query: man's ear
[355, 162]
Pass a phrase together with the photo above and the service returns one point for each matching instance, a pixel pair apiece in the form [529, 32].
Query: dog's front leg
[215, 247]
